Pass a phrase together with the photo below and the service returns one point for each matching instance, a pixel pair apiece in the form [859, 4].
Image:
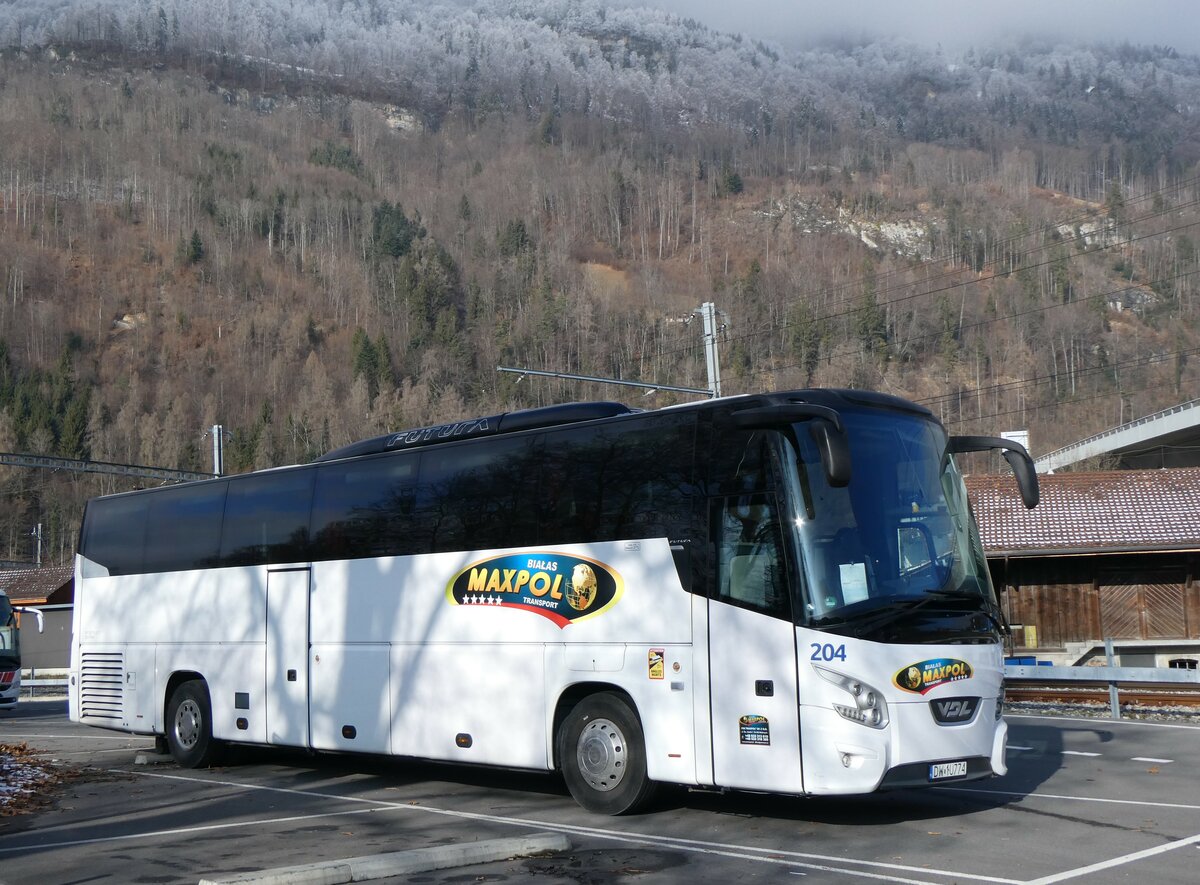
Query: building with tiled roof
[52, 585]
[1095, 512]
[52, 590]
[1111, 554]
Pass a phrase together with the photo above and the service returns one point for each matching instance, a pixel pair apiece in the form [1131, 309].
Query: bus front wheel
[189, 725]
[602, 751]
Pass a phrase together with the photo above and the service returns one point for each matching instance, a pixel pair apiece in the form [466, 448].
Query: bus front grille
[101, 682]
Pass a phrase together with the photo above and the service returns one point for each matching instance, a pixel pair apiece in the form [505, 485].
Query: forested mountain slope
[315, 221]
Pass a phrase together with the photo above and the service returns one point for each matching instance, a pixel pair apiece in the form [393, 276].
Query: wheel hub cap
[187, 724]
[601, 755]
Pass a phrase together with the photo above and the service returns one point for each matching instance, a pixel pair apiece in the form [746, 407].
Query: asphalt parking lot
[1085, 800]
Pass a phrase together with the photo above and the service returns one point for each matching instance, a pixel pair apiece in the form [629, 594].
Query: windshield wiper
[995, 614]
[906, 605]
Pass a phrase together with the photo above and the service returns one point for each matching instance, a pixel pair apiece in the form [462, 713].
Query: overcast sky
[953, 23]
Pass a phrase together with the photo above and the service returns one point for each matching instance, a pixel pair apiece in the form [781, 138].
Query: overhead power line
[46, 462]
[1036, 407]
[1039, 380]
[899, 342]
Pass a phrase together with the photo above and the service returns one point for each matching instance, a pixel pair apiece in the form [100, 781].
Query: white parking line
[1115, 862]
[41, 846]
[76, 737]
[84, 752]
[1082, 753]
[1016, 795]
[794, 859]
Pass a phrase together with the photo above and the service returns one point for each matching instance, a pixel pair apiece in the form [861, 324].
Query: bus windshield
[900, 532]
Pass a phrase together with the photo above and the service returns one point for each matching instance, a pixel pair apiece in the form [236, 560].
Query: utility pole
[37, 534]
[218, 441]
[708, 311]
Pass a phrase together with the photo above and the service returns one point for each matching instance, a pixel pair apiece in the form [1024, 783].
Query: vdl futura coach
[782, 593]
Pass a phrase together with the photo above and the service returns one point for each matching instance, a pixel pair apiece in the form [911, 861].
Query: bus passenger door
[752, 647]
[287, 657]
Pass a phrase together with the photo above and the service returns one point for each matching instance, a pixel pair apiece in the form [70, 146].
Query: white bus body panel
[207, 622]
[493, 672]
[845, 757]
[351, 688]
[386, 660]
[286, 657]
[755, 718]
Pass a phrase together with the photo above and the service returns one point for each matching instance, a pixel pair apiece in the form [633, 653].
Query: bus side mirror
[36, 612]
[1014, 453]
[835, 452]
[825, 427]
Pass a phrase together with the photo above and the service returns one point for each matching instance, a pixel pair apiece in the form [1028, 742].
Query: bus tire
[602, 752]
[189, 725]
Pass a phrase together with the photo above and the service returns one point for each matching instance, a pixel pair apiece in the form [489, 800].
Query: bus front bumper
[845, 758]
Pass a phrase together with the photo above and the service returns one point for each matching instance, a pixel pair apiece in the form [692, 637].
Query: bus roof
[570, 413]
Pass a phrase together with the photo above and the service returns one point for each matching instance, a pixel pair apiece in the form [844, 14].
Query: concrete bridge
[1170, 438]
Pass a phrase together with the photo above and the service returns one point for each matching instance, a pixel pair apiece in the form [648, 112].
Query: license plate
[944, 770]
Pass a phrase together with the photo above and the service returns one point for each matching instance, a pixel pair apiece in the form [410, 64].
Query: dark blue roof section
[506, 422]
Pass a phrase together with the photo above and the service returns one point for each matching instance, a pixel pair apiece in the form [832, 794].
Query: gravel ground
[1141, 713]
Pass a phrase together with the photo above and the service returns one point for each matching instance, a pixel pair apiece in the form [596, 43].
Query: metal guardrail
[31, 684]
[1140, 675]
[1110, 674]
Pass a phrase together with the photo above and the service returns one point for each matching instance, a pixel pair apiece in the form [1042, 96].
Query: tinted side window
[183, 527]
[751, 571]
[364, 508]
[266, 518]
[479, 496]
[738, 460]
[114, 533]
[618, 481]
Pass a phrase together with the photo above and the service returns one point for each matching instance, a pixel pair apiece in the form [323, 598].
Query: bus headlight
[868, 707]
[1000, 703]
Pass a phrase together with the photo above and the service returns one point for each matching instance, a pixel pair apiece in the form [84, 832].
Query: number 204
[827, 652]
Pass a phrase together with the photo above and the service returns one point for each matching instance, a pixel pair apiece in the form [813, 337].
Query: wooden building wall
[1090, 598]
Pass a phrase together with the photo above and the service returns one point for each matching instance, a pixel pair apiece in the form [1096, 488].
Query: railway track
[1132, 695]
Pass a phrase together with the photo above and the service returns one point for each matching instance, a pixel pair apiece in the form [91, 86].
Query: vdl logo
[557, 586]
[954, 711]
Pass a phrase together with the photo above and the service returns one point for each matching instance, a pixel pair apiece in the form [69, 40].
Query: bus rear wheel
[189, 725]
[602, 751]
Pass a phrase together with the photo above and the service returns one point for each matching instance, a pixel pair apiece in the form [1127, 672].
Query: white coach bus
[780, 593]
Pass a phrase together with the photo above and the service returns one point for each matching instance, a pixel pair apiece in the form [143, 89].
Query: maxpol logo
[927, 675]
[557, 586]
